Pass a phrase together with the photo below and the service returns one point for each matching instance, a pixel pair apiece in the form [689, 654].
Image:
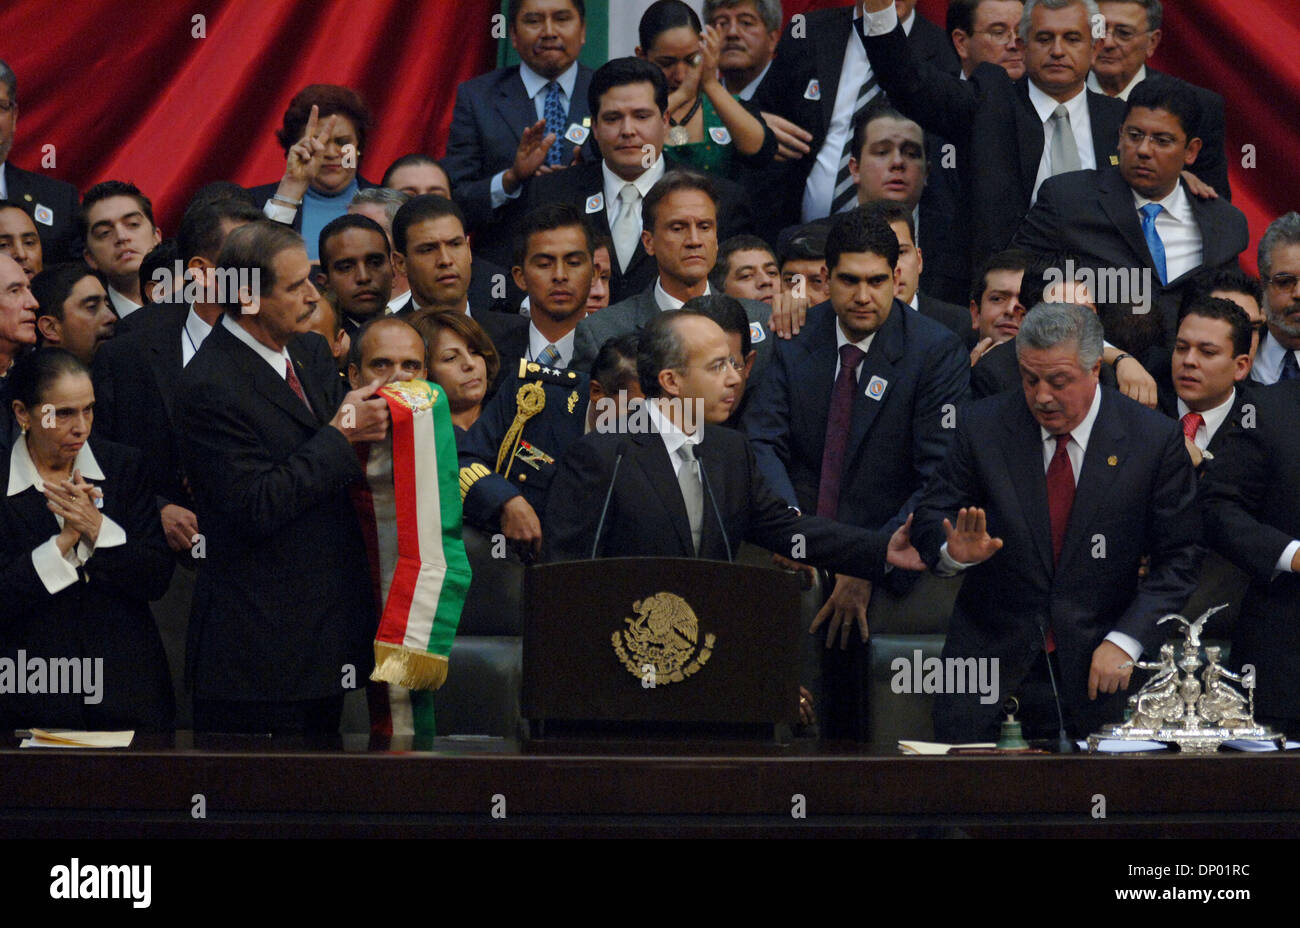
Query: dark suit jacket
[136, 379]
[104, 615]
[894, 443]
[1135, 496]
[1252, 512]
[633, 313]
[998, 134]
[949, 315]
[1092, 215]
[577, 185]
[263, 192]
[489, 118]
[999, 370]
[283, 598]
[61, 238]
[1168, 404]
[647, 517]
[1211, 164]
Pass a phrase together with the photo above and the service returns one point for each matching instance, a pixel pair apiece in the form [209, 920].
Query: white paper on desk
[932, 747]
[83, 739]
[1115, 746]
[1244, 745]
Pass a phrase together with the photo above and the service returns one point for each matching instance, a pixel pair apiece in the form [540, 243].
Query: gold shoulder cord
[531, 399]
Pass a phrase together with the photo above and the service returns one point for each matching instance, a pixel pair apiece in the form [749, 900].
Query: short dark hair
[856, 232]
[802, 243]
[112, 188]
[1155, 12]
[878, 108]
[163, 255]
[961, 15]
[623, 71]
[1038, 274]
[219, 190]
[1226, 280]
[52, 285]
[663, 15]
[34, 371]
[768, 10]
[544, 219]
[727, 312]
[517, 5]
[199, 234]
[254, 247]
[671, 183]
[421, 209]
[340, 224]
[661, 347]
[722, 267]
[891, 211]
[410, 161]
[1011, 259]
[1177, 99]
[330, 100]
[1212, 307]
[615, 365]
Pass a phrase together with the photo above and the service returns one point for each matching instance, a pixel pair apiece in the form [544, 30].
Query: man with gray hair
[1010, 135]
[1077, 483]
[749, 30]
[1278, 357]
[51, 203]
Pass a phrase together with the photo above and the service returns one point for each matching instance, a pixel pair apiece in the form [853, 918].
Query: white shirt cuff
[1129, 645]
[947, 567]
[1288, 555]
[54, 569]
[278, 212]
[499, 195]
[110, 536]
[882, 23]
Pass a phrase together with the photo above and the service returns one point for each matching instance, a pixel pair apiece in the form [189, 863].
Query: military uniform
[521, 434]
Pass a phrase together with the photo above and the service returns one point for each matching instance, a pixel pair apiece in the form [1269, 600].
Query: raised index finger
[312, 120]
[328, 131]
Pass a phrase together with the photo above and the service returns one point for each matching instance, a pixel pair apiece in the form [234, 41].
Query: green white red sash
[433, 573]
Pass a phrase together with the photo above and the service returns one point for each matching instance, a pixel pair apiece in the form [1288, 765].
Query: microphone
[604, 510]
[1063, 743]
[708, 488]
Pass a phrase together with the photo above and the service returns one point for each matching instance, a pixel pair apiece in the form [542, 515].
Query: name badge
[596, 203]
[756, 333]
[814, 91]
[720, 135]
[577, 134]
[876, 387]
[43, 214]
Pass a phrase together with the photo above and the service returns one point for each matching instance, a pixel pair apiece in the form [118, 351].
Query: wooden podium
[660, 640]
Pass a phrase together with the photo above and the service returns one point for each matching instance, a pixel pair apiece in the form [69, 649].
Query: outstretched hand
[969, 542]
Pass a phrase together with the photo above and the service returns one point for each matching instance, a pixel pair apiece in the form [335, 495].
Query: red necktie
[1191, 423]
[1060, 494]
[837, 431]
[295, 384]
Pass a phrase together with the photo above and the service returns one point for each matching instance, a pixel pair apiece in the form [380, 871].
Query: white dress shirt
[672, 436]
[614, 185]
[1095, 85]
[272, 357]
[1178, 231]
[840, 341]
[1080, 125]
[1268, 360]
[59, 571]
[192, 335]
[1076, 449]
[752, 86]
[534, 85]
[537, 343]
[4, 183]
[122, 305]
[666, 301]
[1211, 420]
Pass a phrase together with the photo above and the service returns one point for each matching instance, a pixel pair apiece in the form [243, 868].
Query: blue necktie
[550, 356]
[1290, 369]
[554, 121]
[1157, 247]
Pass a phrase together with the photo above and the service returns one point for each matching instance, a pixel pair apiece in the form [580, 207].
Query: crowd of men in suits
[978, 310]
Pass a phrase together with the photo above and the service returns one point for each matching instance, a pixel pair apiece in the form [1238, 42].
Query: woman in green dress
[709, 129]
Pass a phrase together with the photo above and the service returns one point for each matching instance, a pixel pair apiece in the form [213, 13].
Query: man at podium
[672, 482]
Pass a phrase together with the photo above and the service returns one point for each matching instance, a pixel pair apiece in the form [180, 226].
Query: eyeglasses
[1136, 137]
[1000, 34]
[1124, 34]
[1284, 282]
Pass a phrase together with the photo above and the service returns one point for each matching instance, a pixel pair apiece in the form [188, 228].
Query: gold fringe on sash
[416, 670]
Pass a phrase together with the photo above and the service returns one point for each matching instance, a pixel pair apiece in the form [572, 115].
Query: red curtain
[125, 89]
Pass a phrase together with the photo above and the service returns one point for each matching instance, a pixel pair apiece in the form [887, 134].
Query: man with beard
[1278, 357]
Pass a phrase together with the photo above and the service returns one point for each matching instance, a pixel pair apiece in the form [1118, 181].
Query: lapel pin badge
[577, 134]
[814, 91]
[595, 203]
[1112, 460]
[876, 387]
[1114, 160]
[43, 214]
